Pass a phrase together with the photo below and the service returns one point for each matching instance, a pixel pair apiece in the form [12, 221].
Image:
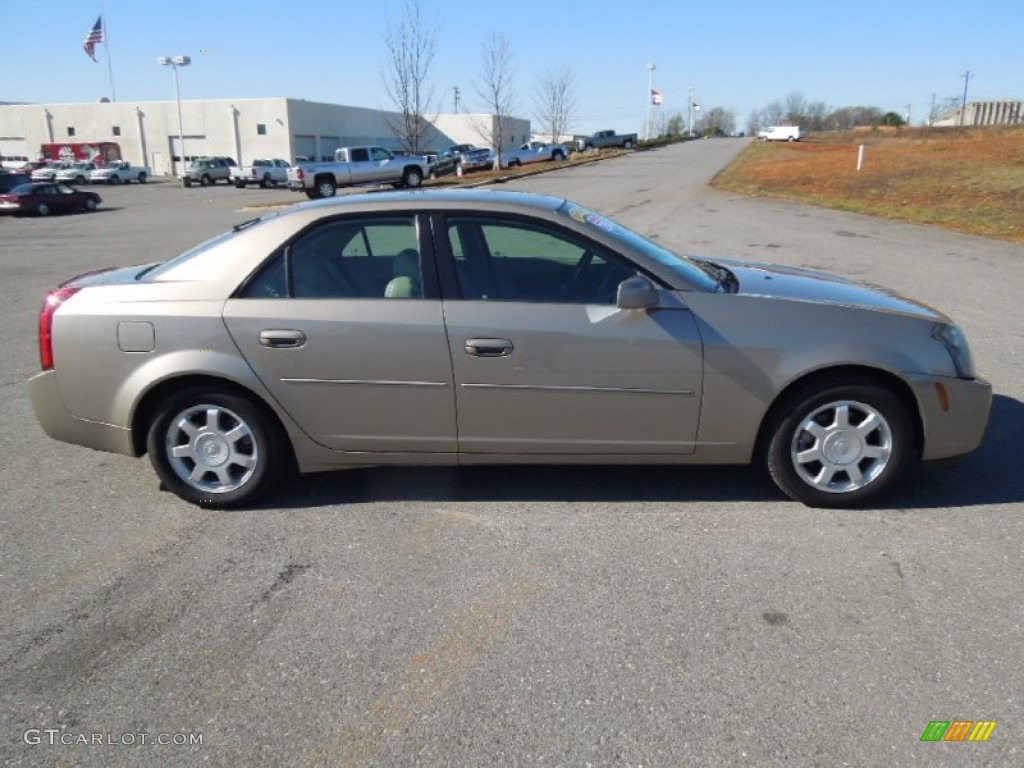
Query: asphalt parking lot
[515, 616]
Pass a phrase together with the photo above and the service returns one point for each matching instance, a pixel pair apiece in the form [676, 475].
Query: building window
[261, 129]
[116, 130]
[71, 130]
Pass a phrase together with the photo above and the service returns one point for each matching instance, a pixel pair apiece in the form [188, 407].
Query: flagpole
[106, 47]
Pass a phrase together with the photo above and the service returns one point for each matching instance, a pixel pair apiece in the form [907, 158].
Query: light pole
[650, 98]
[174, 62]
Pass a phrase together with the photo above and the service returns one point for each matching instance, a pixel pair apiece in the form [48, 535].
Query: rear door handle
[489, 347]
[282, 339]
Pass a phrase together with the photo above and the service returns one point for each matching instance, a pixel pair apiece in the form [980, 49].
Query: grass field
[970, 180]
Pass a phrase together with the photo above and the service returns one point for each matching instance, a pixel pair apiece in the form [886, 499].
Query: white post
[650, 88]
[860, 157]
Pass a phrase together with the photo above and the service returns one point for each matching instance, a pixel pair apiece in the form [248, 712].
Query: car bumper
[954, 414]
[61, 425]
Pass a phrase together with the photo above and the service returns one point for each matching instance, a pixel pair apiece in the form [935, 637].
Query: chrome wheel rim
[211, 448]
[841, 447]
[326, 189]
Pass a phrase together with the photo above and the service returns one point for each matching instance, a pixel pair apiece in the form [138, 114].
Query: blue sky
[739, 55]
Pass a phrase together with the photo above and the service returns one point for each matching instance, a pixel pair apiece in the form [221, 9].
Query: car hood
[797, 284]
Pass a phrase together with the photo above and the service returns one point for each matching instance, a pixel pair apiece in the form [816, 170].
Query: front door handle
[489, 347]
[282, 339]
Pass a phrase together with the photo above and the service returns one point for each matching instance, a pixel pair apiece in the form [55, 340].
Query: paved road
[512, 617]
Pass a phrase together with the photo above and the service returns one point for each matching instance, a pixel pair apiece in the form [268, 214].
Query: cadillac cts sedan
[474, 327]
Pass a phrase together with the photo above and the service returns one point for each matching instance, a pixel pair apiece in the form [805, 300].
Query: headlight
[956, 344]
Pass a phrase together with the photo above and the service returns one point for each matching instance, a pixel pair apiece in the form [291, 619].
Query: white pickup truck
[266, 173]
[353, 166]
[120, 172]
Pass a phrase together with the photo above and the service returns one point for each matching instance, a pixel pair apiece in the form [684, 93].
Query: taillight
[301, 174]
[53, 300]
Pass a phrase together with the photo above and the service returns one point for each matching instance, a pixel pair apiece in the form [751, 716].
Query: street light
[650, 97]
[174, 62]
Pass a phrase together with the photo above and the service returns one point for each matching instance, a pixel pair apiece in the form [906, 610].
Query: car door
[383, 164]
[344, 326]
[544, 361]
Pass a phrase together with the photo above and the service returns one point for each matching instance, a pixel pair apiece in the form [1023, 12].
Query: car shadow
[986, 476]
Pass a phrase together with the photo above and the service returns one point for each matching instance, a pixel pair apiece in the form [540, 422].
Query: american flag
[655, 97]
[95, 36]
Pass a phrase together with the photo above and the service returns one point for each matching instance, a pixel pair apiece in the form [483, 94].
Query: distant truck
[98, 152]
[604, 139]
[120, 172]
[354, 166]
[781, 133]
[265, 173]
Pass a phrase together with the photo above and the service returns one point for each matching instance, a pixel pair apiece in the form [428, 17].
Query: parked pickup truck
[472, 158]
[353, 166]
[266, 173]
[603, 139]
[533, 152]
[120, 172]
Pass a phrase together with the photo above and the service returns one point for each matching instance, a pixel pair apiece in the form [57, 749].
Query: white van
[781, 133]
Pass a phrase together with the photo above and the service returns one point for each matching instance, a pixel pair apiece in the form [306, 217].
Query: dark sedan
[42, 199]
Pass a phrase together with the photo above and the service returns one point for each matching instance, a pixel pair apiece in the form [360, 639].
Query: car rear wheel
[215, 448]
[241, 184]
[627, 144]
[205, 180]
[43, 209]
[79, 179]
[142, 178]
[326, 187]
[840, 446]
[264, 182]
[558, 156]
[412, 178]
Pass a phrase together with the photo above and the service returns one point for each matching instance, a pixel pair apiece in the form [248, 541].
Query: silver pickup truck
[353, 166]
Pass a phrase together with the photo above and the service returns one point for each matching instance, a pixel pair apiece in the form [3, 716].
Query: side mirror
[636, 293]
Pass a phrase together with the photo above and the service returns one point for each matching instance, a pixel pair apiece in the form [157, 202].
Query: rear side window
[349, 258]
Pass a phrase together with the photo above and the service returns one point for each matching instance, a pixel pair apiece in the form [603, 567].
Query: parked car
[472, 158]
[76, 173]
[48, 172]
[534, 152]
[474, 327]
[44, 198]
[120, 172]
[9, 181]
[206, 171]
[265, 173]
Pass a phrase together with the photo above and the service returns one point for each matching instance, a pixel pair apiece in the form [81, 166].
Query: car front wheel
[215, 448]
[840, 446]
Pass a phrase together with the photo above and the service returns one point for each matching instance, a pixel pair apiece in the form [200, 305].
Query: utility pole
[931, 112]
[650, 98]
[963, 106]
[456, 89]
[908, 115]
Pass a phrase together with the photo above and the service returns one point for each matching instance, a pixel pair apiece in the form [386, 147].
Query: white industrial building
[244, 129]
[1002, 112]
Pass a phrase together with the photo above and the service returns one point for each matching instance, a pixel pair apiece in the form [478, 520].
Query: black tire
[142, 178]
[205, 180]
[42, 210]
[89, 205]
[261, 444]
[325, 187]
[79, 180]
[558, 156]
[313, 194]
[863, 442]
[264, 182]
[187, 182]
[412, 178]
[627, 144]
[588, 147]
[241, 185]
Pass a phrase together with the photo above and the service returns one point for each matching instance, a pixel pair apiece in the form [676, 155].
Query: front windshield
[689, 270]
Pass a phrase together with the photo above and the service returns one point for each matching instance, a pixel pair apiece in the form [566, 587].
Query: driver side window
[520, 261]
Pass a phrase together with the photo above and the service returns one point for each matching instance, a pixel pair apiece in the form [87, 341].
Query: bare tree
[556, 101]
[495, 89]
[411, 44]
[676, 126]
[717, 121]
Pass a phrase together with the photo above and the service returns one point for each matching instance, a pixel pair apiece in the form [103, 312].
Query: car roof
[434, 198]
